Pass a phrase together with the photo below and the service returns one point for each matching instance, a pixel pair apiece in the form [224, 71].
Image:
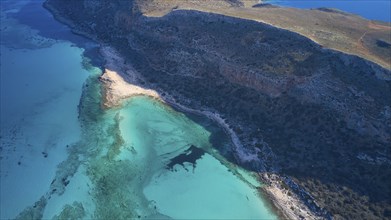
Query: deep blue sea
[370, 9]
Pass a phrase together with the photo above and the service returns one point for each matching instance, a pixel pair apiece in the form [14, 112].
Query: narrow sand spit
[116, 89]
[120, 82]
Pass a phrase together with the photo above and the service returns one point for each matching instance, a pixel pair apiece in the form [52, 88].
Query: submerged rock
[35, 211]
[191, 155]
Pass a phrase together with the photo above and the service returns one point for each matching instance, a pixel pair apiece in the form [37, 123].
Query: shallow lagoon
[206, 188]
[130, 167]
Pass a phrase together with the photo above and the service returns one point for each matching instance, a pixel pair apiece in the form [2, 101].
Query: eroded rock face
[316, 109]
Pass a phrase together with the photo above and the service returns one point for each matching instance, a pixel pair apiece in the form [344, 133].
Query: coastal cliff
[318, 118]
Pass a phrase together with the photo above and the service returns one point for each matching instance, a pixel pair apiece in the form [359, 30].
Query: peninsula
[304, 94]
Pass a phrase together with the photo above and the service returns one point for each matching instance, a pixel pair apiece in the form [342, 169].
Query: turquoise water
[370, 9]
[63, 156]
[208, 188]
[38, 118]
[40, 91]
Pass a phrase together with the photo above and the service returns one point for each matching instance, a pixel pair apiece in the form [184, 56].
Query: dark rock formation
[191, 155]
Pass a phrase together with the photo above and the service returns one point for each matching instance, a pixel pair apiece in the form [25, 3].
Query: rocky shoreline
[57, 15]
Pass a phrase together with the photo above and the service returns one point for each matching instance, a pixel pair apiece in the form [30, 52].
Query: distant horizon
[366, 8]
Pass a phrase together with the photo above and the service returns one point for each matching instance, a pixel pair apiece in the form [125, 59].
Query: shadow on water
[221, 141]
[34, 15]
[191, 155]
[218, 137]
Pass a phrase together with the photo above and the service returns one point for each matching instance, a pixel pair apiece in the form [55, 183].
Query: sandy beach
[116, 89]
[120, 81]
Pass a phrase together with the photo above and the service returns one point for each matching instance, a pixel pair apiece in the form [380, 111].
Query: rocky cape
[315, 119]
